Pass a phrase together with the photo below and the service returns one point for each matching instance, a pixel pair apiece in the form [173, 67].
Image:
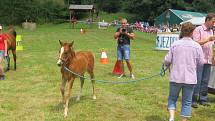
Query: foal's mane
[72, 54]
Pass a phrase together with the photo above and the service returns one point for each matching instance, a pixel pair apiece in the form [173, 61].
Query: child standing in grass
[183, 56]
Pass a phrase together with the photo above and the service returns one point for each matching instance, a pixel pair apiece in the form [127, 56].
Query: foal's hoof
[94, 97]
[65, 115]
[78, 98]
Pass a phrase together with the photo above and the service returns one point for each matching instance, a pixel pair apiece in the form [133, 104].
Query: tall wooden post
[70, 17]
[91, 15]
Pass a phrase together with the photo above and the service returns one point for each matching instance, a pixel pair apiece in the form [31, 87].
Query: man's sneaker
[121, 76]
[204, 103]
[195, 105]
[132, 76]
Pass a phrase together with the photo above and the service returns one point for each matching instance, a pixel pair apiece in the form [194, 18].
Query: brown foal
[79, 63]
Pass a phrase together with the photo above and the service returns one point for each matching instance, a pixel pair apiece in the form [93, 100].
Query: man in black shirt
[123, 36]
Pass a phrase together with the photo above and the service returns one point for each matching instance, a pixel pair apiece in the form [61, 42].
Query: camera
[123, 30]
[121, 40]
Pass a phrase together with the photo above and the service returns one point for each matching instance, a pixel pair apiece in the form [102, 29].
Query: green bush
[15, 12]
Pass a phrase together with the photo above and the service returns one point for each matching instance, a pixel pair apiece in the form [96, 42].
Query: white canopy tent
[195, 20]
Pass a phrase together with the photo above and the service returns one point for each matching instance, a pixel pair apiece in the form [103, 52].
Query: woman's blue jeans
[187, 92]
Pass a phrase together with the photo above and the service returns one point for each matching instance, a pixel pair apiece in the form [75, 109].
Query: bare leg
[171, 114]
[129, 66]
[70, 84]
[130, 69]
[1, 67]
[122, 67]
[80, 93]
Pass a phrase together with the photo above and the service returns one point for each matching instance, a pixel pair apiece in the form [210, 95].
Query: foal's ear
[60, 43]
[71, 44]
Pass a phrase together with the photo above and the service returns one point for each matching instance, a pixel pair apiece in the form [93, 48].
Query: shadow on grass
[206, 112]
[154, 118]
[211, 99]
[111, 74]
[57, 108]
[117, 75]
[72, 101]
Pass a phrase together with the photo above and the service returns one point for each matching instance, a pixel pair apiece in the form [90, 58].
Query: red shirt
[2, 45]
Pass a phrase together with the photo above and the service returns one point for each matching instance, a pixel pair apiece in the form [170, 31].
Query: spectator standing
[184, 56]
[204, 36]
[123, 36]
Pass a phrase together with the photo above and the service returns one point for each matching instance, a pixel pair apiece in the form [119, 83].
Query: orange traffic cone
[103, 59]
[117, 68]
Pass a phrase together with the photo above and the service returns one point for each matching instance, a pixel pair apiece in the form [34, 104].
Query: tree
[110, 6]
[147, 9]
[205, 6]
[17, 11]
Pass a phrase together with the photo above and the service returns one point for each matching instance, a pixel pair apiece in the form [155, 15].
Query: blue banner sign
[165, 40]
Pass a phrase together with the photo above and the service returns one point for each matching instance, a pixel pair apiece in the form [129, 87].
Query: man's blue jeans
[201, 89]
[187, 92]
[123, 52]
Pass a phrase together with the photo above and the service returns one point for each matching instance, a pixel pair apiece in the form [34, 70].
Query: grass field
[31, 93]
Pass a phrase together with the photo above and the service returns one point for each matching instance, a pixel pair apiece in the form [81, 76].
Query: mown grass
[32, 91]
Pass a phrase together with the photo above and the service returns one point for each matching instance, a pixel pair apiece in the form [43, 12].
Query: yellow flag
[19, 42]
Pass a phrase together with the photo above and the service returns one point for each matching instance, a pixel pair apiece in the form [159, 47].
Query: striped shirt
[184, 56]
[200, 33]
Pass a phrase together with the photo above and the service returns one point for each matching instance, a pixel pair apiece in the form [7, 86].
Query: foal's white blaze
[61, 52]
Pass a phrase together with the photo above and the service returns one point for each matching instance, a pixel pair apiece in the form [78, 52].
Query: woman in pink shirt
[3, 52]
[183, 56]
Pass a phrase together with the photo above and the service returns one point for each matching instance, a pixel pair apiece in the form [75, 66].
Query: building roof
[172, 17]
[80, 7]
[186, 15]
